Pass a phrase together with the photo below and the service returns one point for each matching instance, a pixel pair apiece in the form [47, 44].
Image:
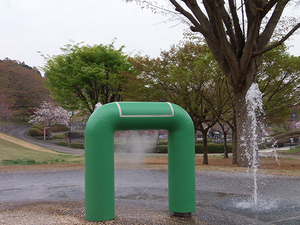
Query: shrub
[162, 142]
[34, 132]
[75, 134]
[63, 143]
[38, 126]
[262, 146]
[161, 149]
[77, 145]
[212, 148]
[63, 136]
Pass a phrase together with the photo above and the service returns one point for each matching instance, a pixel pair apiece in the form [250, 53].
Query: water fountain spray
[250, 131]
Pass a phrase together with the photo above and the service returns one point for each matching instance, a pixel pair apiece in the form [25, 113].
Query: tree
[278, 79]
[237, 35]
[5, 113]
[297, 125]
[48, 114]
[22, 88]
[83, 76]
[188, 76]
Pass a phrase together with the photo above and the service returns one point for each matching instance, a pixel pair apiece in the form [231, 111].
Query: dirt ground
[284, 166]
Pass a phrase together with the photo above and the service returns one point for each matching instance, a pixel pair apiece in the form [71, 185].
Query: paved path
[22, 133]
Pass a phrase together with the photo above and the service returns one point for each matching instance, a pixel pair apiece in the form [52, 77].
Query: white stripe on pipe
[164, 115]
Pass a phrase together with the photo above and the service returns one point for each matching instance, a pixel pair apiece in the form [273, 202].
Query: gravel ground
[73, 213]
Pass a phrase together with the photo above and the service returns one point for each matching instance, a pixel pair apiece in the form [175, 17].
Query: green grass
[288, 152]
[13, 154]
[3, 122]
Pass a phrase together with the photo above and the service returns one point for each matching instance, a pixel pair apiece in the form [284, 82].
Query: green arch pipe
[99, 153]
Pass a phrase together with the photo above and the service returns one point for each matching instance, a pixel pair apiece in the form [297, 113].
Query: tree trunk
[234, 145]
[241, 118]
[44, 131]
[205, 156]
[225, 145]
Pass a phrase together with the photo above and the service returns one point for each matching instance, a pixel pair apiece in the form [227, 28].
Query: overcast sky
[29, 26]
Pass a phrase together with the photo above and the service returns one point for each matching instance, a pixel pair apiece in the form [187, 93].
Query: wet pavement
[57, 197]
[142, 198]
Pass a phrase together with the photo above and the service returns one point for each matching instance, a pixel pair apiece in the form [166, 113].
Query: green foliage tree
[22, 88]
[83, 76]
[5, 113]
[278, 79]
[168, 78]
[187, 75]
[237, 33]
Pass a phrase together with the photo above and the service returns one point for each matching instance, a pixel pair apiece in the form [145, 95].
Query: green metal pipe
[99, 153]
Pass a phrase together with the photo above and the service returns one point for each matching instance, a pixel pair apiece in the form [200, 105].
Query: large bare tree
[237, 33]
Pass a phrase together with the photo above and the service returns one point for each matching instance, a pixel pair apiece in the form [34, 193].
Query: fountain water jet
[261, 208]
[254, 111]
[249, 139]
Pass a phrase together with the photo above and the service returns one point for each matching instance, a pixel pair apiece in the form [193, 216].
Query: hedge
[211, 148]
[63, 136]
[123, 147]
[160, 149]
[162, 142]
[63, 143]
[77, 145]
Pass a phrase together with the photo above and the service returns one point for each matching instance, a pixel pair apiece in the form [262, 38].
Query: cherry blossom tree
[297, 125]
[48, 114]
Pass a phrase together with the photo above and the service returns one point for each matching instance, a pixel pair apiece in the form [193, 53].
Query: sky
[33, 26]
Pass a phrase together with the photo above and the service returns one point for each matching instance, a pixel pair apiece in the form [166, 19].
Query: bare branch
[238, 31]
[226, 47]
[264, 38]
[251, 11]
[268, 6]
[198, 27]
[280, 42]
[228, 23]
[251, 37]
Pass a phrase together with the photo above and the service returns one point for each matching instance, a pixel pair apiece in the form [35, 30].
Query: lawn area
[13, 123]
[12, 154]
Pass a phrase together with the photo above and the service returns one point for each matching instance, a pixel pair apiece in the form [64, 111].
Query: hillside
[21, 89]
